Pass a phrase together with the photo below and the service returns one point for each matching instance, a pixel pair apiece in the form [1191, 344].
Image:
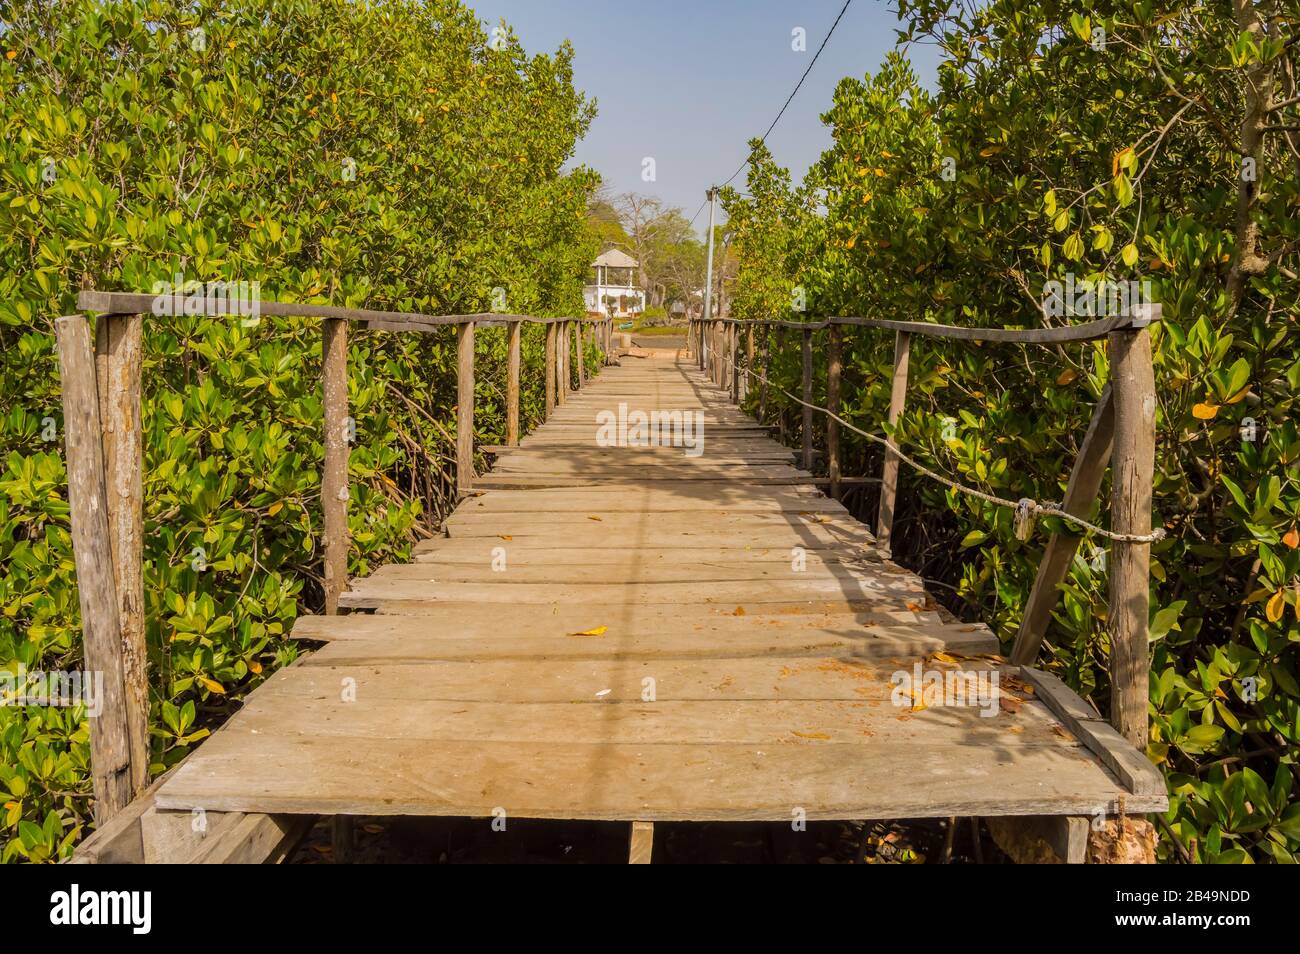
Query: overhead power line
[790, 98]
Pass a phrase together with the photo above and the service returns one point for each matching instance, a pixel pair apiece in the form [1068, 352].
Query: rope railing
[1027, 509]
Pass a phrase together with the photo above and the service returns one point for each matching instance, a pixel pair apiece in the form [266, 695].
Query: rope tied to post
[1027, 510]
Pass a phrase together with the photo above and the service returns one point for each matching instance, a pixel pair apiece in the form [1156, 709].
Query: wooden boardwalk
[640, 634]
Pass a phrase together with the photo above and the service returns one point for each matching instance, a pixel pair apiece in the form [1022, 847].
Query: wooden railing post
[512, 383]
[1132, 469]
[767, 367]
[465, 406]
[110, 743]
[334, 471]
[550, 369]
[711, 331]
[118, 354]
[749, 358]
[720, 348]
[579, 349]
[734, 342]
[561, 362]
[889, 480]
[1080, 492]
[807, 456]
[834, 362]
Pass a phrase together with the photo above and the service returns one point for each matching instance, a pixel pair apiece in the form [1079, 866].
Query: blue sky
[688, 83]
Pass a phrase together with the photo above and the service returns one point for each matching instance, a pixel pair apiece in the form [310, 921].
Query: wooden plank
[605, 681]
[334, 471]
[446, 553]
[367, 594]
[686, 495]
[867, 722]
[190, 836]
[506, 481]
[641, 840]
[1128, 762]
[1133, 387]
[118, 355]
[1080, 492]
[574, 458]
[512, 384]
[253, 839]
[617, 570]
[889, 480]
[669, 782]
[527, 551]
[464, 407]
[110, 741]
[647, 618]
[679, 637]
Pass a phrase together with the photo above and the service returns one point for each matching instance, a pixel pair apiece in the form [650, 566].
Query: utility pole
[708, 280]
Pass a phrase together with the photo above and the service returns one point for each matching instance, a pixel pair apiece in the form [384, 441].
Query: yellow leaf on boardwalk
[1203, 412]
[821, 736]
[596, 631]
[597, 519]
[943, 657]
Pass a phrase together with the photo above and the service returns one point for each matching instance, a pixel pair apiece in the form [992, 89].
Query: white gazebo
[614, 289]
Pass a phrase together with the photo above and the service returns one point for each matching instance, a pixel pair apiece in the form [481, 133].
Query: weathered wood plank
[118, 355]
[252, 840]
[1133, 389]
[465, 407]
[334, 472]
[889, 481]
[641, 840]
[834, 366]
[1127, 762]
[1080, 492]
[667, 782]
[512, 383]
[110, 741]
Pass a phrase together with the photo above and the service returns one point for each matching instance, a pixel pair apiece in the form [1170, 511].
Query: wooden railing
[102, 427]
[1121, 432]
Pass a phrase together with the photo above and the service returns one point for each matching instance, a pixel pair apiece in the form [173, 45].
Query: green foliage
[1041, 155]
[232, 158]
